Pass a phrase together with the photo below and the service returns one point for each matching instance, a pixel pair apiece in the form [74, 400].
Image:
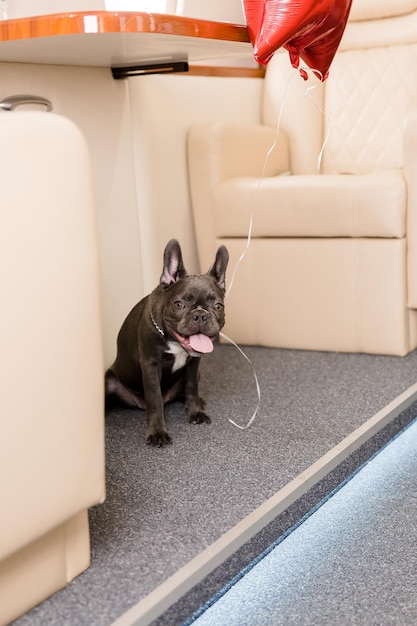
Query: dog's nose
[200, 316]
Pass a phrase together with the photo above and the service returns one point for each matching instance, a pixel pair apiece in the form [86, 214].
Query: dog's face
[192, 306]
[194, 313]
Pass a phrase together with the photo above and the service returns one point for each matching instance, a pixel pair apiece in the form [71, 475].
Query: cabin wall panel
[163, 110]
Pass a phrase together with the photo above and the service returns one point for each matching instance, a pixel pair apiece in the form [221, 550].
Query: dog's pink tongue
[201, 343]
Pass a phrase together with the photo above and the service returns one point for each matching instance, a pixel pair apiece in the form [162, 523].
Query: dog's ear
[174, 268]
[218, 269]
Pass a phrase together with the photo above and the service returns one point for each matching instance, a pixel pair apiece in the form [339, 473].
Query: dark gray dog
[161, 340]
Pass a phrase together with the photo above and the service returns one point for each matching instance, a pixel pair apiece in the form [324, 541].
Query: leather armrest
[229, 150]
[220, 151]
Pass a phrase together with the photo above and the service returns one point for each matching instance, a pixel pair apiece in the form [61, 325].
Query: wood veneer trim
[223, 71]
[120, 22]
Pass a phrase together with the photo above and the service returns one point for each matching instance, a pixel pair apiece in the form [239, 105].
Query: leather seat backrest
[368, 96]
[371, 10]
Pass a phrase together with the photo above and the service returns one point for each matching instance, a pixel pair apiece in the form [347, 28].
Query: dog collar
[160, 331]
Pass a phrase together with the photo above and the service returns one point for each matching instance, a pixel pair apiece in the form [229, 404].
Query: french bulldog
[162, 339]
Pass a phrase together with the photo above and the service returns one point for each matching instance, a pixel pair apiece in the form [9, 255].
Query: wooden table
[106, 38]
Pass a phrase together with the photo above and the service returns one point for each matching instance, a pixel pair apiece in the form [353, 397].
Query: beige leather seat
[52, 439]
[333, 260]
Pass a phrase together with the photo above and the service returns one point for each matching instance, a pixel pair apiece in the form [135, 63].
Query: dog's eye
[178, 304]
[218, 306]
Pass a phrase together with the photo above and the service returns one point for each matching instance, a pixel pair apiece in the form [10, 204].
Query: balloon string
[248, 243]
[308, 95]
[258, 389]
[252, 209]
[268, 154]
[256, 191]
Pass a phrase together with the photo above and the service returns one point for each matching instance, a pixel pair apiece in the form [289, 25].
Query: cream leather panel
[376, 9]
[410, 170]
[26, 8]
[316, 295]
[367, 96]
[219, 10]
[312, 206]
[389, 31]
[43, 567]
[242, 149]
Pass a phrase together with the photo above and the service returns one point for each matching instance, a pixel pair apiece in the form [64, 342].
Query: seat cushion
[371, 205]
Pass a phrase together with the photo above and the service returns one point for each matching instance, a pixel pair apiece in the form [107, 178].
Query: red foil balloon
[308, 29]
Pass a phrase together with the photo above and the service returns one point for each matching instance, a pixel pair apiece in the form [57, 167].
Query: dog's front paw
[158, 438]
[199, 418]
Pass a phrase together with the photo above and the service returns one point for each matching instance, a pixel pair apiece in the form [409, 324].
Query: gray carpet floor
[164, 506]
[353, 561]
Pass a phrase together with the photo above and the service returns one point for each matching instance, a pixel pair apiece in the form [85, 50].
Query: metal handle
[11, 102]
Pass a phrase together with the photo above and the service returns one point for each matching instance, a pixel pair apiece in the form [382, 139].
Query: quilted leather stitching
[367, 97]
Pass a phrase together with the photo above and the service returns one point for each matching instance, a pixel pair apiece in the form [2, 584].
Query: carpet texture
[164, 506]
